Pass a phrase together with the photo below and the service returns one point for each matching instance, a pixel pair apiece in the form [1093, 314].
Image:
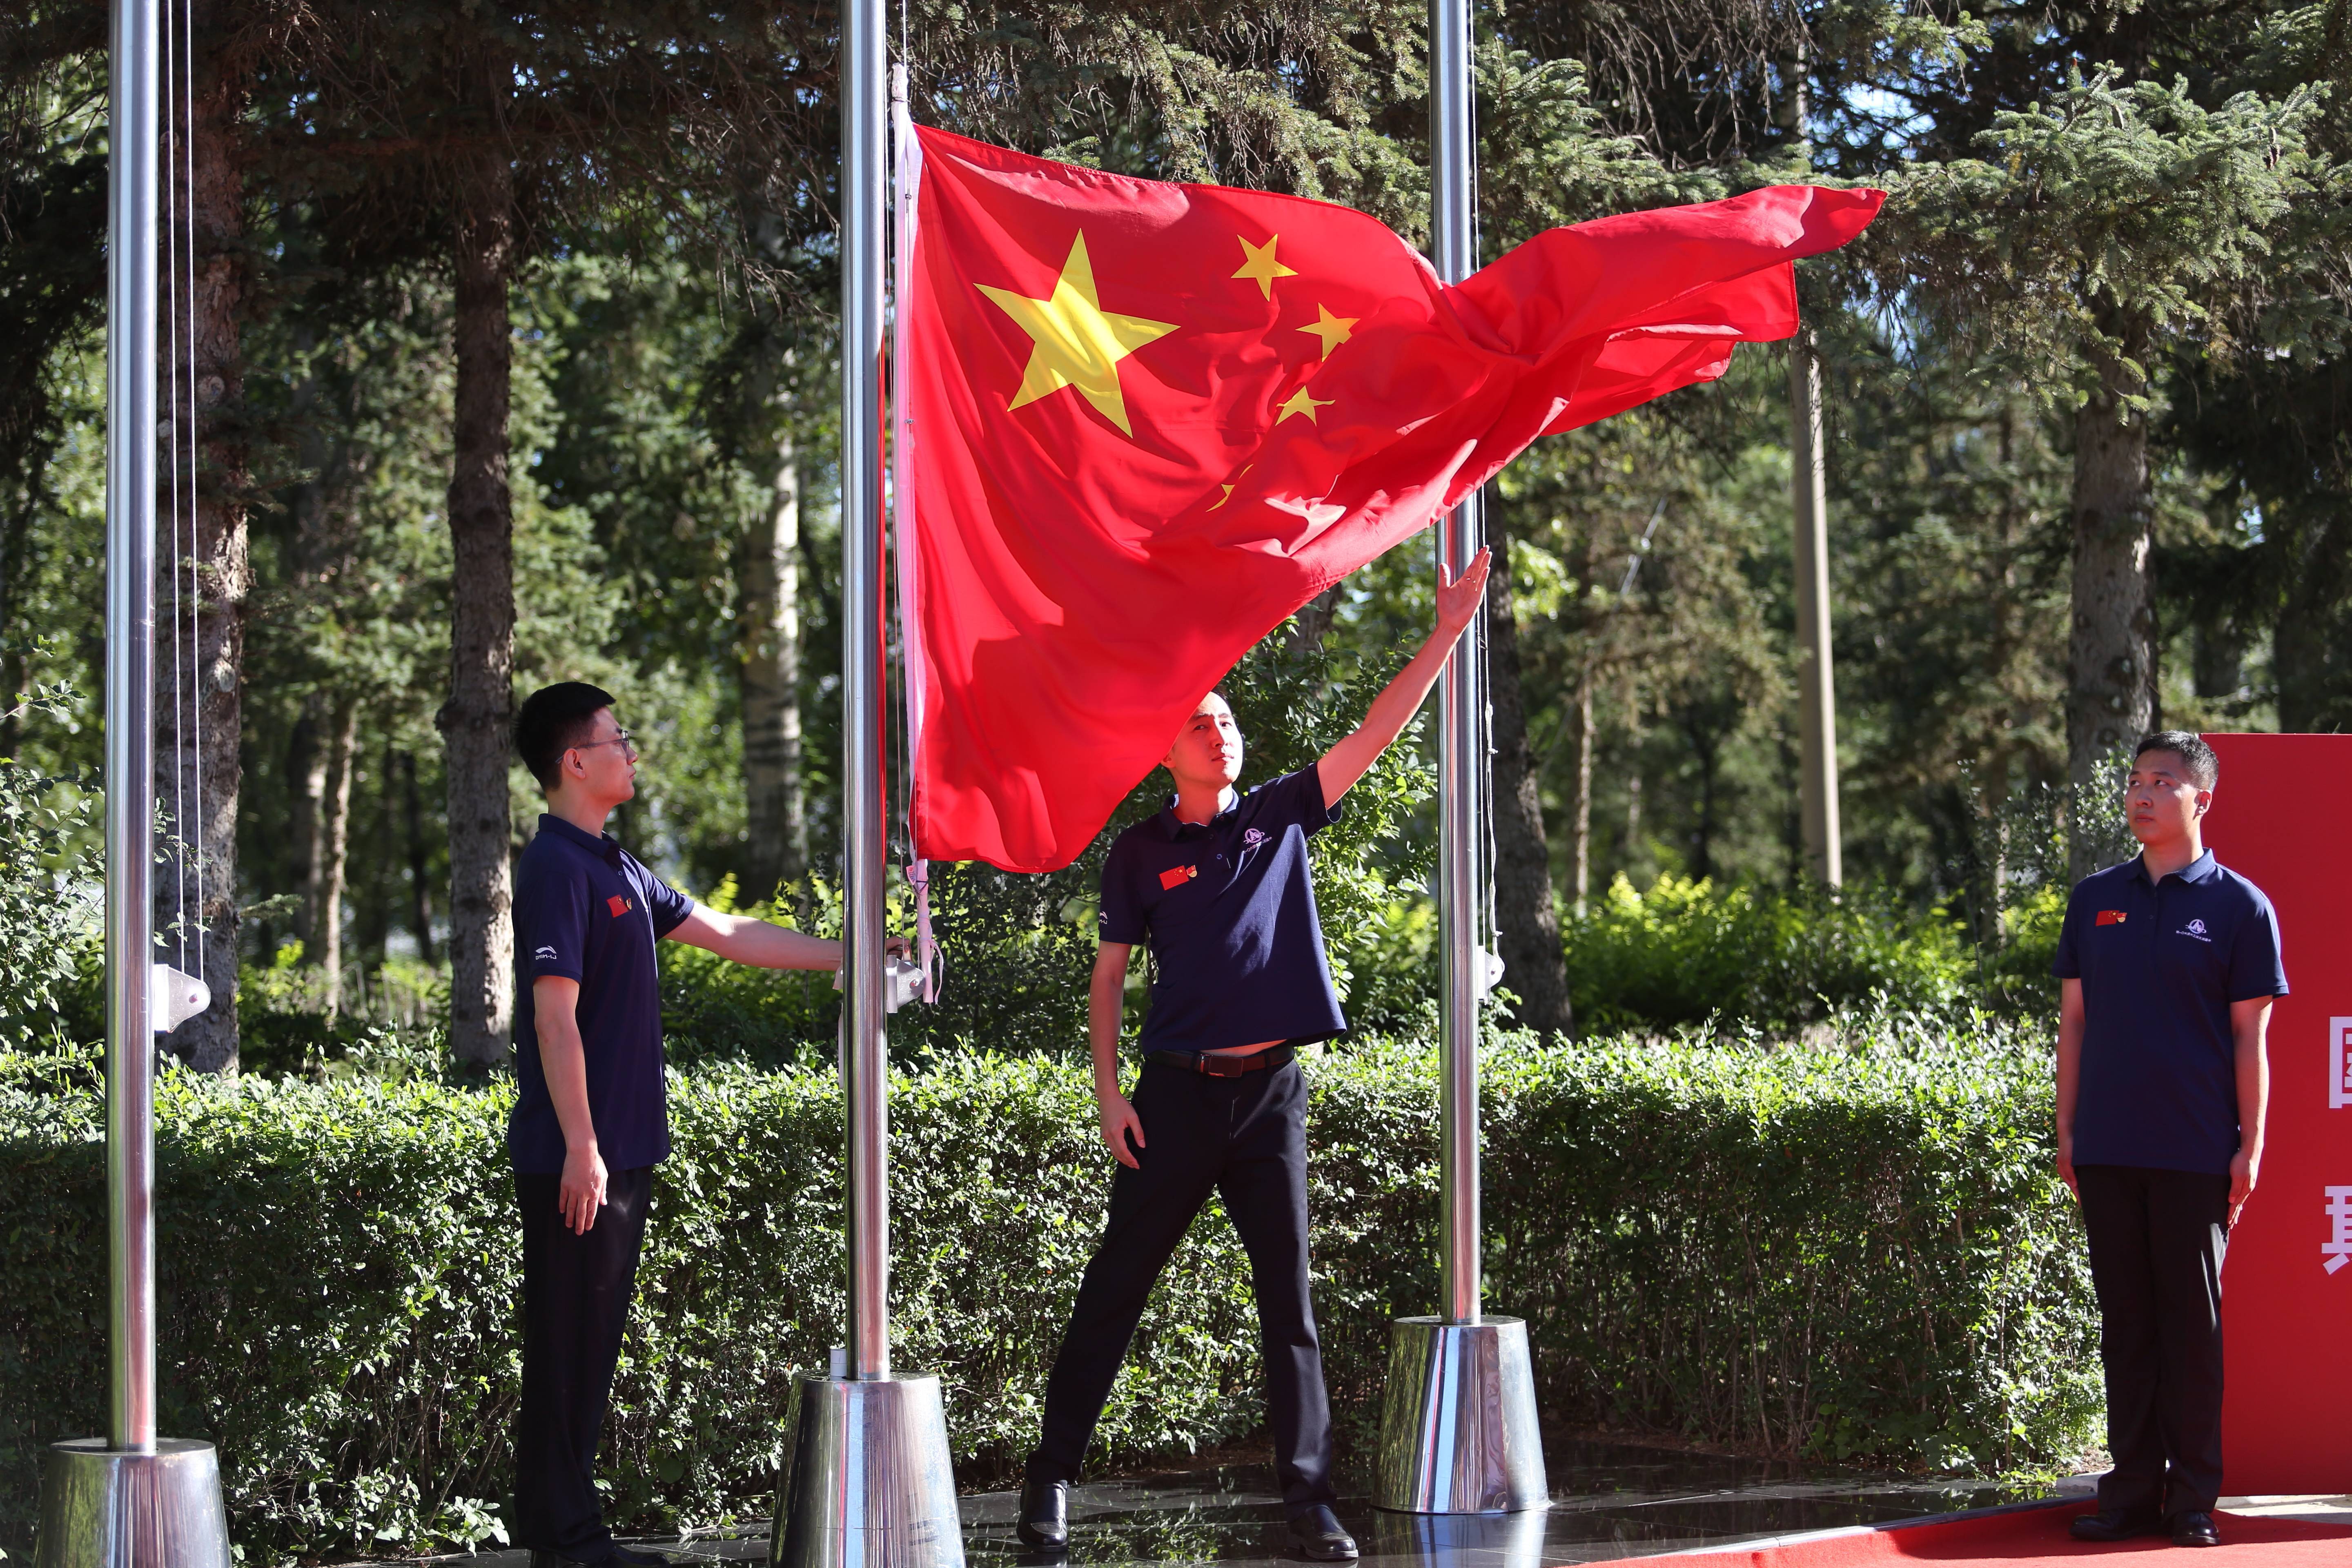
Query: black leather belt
[1209, 1065]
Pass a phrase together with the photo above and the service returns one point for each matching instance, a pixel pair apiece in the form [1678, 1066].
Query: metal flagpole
[1458, 1423]
[130, 1499]
[866, 1481]
[1817, 708]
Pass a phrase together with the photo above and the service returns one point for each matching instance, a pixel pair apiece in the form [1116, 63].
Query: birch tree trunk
[205, 571]
[1528, 918]
[334, 854]
[769, 677]
[476, 721]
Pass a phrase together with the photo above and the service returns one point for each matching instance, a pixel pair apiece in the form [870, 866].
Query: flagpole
[1458, 1423]
[866, 1481]
[130, 1499]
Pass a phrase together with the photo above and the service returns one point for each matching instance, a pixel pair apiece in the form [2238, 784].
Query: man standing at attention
[2169, 964]
[589, 1121]
[1218, 885]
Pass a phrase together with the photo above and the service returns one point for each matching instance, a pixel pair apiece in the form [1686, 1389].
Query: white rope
[195, 535]
[178, 418]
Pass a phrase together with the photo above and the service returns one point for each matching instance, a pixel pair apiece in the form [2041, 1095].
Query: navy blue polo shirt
[587, 910]
[1228, 909]
[2161, 963]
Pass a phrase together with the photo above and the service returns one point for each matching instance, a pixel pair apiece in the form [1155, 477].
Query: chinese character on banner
[2337, 1248]
[2339, 1063]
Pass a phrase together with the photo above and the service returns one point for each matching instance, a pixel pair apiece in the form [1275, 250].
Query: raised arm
[1393, 710]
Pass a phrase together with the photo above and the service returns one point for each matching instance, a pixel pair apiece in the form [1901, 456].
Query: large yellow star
[1078, 343]
[1260, 267]
[1299, 402]
[1331, 330]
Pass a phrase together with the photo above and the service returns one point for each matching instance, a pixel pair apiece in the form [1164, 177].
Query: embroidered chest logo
[2110, 918]
[1253, 839]
[1177, 875]
[2197, 929]
[618, 905]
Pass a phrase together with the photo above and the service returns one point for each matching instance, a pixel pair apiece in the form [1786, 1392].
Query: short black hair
[2204, 767]
[552, 720]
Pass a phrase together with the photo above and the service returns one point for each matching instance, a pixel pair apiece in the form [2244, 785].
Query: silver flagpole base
[101, 1508]
[1458, 1422]
[1498, 1539]
[866, 1482]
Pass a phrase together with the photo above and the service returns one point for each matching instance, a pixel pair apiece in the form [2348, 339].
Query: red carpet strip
[2036, 1538]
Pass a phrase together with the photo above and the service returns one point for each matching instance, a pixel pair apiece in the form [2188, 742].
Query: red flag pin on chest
[1177, 875]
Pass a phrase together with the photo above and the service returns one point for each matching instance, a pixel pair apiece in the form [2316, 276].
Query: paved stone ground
[1609, 1501]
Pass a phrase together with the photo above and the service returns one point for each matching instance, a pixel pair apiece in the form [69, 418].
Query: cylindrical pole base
[1488, 1539]
[866, 1482]
[103, 1508]
[1458, 1422]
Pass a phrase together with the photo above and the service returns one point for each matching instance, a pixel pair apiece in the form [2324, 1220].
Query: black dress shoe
[2194, 1528]
[1316, 1531]
[1044, 1515]
[2112, 1524]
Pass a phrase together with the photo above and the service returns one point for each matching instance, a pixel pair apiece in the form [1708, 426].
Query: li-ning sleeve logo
[1177, 875]
[2110, 918]
[547, 953]
[618, 905]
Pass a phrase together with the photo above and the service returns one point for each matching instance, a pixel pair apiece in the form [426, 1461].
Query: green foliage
[1855, 1254]
[49, 881]
[1688, 952]
[2113, 209]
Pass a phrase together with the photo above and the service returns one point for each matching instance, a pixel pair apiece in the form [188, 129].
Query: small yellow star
[1078, 342]
[1329, 330]
[1299, 402]
[1261, 267]
[1229, 489]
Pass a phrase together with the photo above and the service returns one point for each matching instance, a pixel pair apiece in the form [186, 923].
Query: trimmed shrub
[1689, 952]
[1859, 1254]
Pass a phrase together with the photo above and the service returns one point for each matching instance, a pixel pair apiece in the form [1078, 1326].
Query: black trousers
[2157, 1240]
[576, 1291]
[1245, 1138]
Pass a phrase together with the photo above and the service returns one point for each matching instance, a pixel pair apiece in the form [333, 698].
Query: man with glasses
[589, 1121]
[2168, 965]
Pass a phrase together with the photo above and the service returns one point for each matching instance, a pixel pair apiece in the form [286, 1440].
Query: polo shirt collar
[1172, 826]
[2203, 869]
[602, 844]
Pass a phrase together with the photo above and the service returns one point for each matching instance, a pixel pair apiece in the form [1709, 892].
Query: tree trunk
[1525, 911]
[334, 847]
[2110, 655]
[476, 721]
[769, 586]
[420, 888]
[197, 769]
[306, 764]
[1580, 856]
[1316, 618]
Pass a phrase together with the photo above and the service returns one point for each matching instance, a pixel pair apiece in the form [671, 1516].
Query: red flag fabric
[1143, 422]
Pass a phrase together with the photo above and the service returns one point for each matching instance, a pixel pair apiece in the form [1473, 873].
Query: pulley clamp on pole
[133, 1500]
[1458, 1430]
[866, 1481]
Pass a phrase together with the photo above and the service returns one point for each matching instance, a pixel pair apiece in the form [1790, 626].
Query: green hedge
[1841, 1253]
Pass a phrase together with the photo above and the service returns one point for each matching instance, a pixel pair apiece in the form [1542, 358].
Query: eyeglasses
[622, 740]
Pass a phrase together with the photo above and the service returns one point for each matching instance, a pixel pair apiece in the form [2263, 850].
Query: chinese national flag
[1147, 421]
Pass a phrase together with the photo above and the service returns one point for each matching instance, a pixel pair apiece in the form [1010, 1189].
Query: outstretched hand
[1458, 597]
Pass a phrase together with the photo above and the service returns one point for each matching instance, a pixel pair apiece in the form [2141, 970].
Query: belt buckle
[1224, 1067]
